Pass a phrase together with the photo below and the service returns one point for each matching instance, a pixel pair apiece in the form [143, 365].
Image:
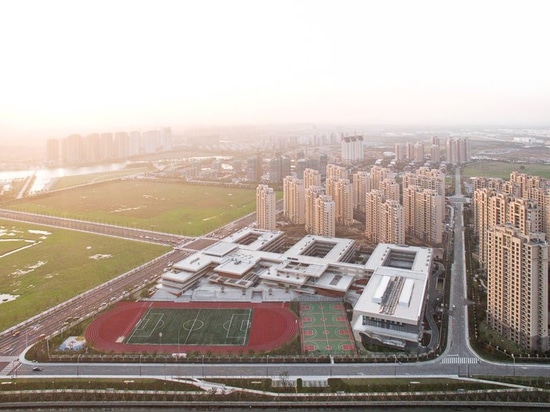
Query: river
[45, 176]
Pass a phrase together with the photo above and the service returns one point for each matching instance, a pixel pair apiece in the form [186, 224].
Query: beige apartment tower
[294, 200]
[517, 286]
[373, 208]
[311, 194]
[393, 223]
[312, 177]
[361, 186]
[266, 208]
[424, 211]
[343, 199]
[325, 217]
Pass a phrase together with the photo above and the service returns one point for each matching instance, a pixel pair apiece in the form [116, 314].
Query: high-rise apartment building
[435, 154]
[325, 217]
[311, 194]
[312, 177]
[294, 199]
[254, 168]
[373, 209]
[458, 151]
[510, 219]
[334, 173]
[424, 211]
[517, 286]
[493, 207]
[266, 208]
[391, 190]
[352, 149]
[426, 178]
[343, 200]
[361, 186]
[419, 152]
[392, 219]
[96, 147]
[400, 150]
[378, 174]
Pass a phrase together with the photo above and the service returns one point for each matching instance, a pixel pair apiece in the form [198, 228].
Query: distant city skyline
[79, 67]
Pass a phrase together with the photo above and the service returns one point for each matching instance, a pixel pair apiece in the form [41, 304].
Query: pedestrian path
[7, 365]
[459, 360]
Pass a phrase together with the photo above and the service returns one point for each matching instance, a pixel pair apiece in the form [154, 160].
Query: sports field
[170, 327]
[325, 329]
[193, 327]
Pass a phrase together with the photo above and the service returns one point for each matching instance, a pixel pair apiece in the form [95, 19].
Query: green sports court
[325, 329]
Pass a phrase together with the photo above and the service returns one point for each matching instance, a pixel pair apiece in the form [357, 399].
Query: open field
[177, 208]
[487, 168]
[58, 264]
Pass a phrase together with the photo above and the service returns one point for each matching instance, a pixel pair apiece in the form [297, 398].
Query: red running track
[273, 325]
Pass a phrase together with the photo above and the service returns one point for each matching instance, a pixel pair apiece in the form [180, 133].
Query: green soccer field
[192, 327]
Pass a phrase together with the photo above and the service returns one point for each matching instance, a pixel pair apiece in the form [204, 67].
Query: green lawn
[166, 207]
[59, 265]
[502, 170]
[193, 327]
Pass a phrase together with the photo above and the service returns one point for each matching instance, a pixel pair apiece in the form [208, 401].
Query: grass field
[193, 327]
[59, 264]
[502, 170]
[166, 207]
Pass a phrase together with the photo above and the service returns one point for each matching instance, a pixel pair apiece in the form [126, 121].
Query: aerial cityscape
[275, 206]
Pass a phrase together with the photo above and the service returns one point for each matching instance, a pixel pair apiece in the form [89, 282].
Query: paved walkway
[7, 365]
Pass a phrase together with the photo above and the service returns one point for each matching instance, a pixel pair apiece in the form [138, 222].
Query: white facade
[391, 308]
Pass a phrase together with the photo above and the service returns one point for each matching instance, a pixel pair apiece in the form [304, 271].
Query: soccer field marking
[190, 331]
[192, 325]
[147, 325]
[239, 328]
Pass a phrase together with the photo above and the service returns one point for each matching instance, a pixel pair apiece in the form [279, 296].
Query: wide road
[458, 339]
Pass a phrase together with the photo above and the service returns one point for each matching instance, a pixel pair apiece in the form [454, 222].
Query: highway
[458, 359]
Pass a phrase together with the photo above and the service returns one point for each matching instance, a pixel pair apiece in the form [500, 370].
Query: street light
[78, 364]
[267, 365]
[394, 364]
[202, 356]
[514, 365]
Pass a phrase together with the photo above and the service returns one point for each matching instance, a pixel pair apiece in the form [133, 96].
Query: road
[14, 340]
[458, 358]
[458, 339]
[96, 227]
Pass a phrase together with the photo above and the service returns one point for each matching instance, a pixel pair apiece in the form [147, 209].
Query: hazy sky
[78, 66]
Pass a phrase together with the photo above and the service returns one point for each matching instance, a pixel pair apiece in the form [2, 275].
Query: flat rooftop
[328, 249]
[411, 258]
[398, 284]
